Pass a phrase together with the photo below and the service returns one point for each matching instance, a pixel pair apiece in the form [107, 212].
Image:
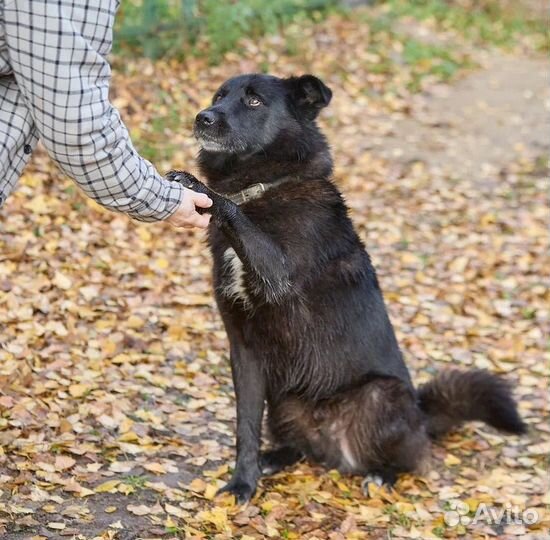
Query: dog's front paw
[243, 490]
[187, 180]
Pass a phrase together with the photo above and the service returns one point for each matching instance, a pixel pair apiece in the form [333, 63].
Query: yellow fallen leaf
[109, 348]
[64, 462]
[210, 491]
[129, 436]
[48, 467]
[169, 523]
[144, 234]
[40, 205]
[404, 507]
[126, 425]
[542, 448]
[154, 467]
[174, 510]
[370, 513]
[85, 492]
[217, 517]
[62, 281]
[65, 426]
[220, 471]
[121, 466]
[162, 264]
[139, 509]
[451, 460]
[343, 486]
[107, 487]
[120, 359]
[126, 489]
[6, 402]
[89, 293]
[472, 504]
[110, 509]
[104, 324]
[197, 485]
[271, 531]
[21, 510]
[57, 328]
[267, 506]
[134, 322]
[459, 264]
[488, 219]
[58, 526]
[79, 389]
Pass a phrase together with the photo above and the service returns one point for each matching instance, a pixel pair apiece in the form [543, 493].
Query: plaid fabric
[54, 84]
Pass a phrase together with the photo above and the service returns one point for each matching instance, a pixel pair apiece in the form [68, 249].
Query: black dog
[306, 321]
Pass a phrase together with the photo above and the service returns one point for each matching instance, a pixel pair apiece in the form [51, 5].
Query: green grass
[478, 22]
[415, 60]
[481, 21]
[136, 481]
[176, 28]
[426, 59]
[157, 28]
[397, 517]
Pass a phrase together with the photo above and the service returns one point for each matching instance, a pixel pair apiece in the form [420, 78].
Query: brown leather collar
[255, 191]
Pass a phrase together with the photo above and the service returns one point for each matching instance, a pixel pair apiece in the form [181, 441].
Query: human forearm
[64, 79]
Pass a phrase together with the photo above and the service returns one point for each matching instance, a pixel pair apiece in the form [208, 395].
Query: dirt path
[480, 124]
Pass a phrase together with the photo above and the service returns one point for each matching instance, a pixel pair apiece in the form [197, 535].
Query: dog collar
[255, 191]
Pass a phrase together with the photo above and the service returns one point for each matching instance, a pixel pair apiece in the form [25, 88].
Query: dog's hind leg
[392, 438]
[403, 448]
[375, 429]
[287, 422]
[380, 477]
[275, 460]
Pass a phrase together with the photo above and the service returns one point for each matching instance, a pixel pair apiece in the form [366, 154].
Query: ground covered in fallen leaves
[116, 404]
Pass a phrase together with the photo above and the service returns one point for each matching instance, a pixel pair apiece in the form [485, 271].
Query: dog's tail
[454, 396]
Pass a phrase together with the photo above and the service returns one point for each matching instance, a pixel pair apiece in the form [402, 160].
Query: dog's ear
[309, 94]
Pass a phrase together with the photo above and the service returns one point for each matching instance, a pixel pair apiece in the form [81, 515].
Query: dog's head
[250, 112]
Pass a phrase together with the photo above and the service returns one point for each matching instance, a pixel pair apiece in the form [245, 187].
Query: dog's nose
[206, 118]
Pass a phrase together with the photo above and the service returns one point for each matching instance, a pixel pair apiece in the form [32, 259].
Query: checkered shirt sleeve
[54, 85]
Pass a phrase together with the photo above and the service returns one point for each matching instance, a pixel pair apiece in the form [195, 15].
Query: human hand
[186, 214]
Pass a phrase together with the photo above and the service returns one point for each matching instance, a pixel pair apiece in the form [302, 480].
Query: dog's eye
[254, 101]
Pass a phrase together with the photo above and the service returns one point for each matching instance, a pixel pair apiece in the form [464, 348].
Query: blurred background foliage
[380, 36]
[178, 28]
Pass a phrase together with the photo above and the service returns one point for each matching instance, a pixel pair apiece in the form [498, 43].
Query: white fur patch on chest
[233, 286]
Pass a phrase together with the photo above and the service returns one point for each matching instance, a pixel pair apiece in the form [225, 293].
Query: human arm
[57, 52]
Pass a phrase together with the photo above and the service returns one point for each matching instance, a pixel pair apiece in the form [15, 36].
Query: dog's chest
[231, 284]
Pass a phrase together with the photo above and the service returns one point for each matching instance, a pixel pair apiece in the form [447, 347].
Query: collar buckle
[253, 192]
